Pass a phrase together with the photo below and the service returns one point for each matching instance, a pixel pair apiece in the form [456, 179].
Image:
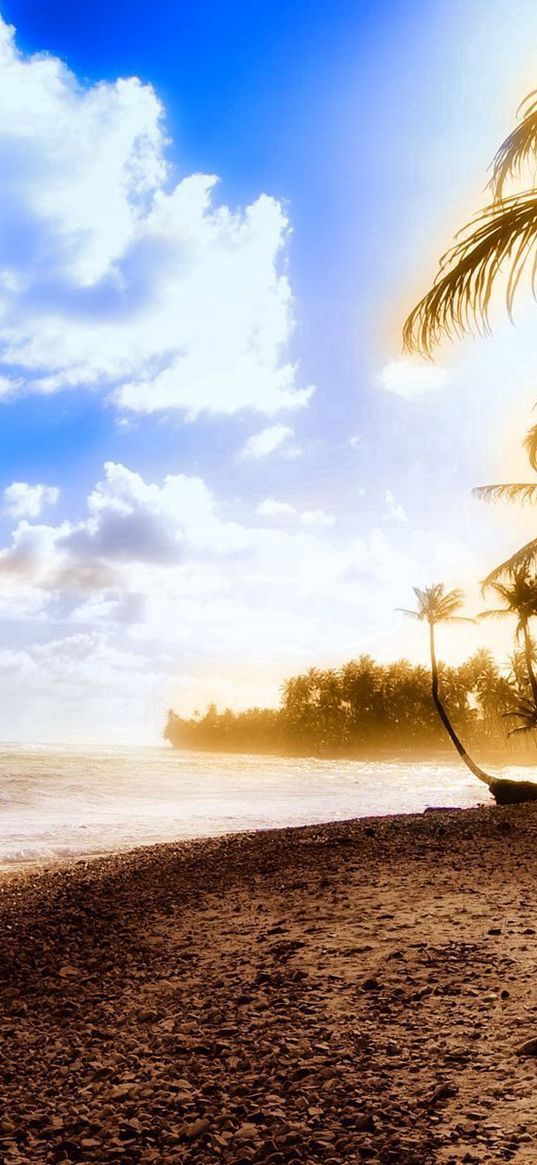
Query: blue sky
[244, 477]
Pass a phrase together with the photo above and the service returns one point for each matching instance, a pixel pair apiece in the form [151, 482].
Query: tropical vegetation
[367, 708]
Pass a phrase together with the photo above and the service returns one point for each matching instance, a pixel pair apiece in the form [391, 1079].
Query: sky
[217, 468]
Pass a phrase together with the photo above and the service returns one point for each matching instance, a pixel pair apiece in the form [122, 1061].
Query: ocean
[61, 802]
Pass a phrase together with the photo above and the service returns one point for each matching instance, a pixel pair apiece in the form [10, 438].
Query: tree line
[368, 708]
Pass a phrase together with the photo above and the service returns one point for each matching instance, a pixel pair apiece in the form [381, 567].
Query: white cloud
[131, 520]
[154, 581]
[394, 510]
[412, 379]
[23, 500]
[268, 441]
[317, 518]
[270, 508]
[115, 275]
[82, 687]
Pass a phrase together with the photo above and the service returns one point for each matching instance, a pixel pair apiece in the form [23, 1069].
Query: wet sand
[334, 994]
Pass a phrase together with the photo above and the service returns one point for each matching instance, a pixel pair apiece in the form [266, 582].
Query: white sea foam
[57, 803]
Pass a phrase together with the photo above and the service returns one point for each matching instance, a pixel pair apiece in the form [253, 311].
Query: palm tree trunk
[529, 661]
[481, 776]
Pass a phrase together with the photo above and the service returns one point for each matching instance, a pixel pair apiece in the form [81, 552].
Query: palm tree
[519, 597]
[501, 238]
[522, 491]
[436, 605]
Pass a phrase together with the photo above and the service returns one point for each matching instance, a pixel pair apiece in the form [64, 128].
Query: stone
[528, 1048]
[197, 1129]
[247, 1132]
[371, 984]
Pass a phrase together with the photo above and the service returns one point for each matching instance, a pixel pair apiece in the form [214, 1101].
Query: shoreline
[499, 757]
[44, 865]
[337, 993]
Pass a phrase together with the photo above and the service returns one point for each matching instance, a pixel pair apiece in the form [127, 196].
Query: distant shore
[526, 758]
[328, 994]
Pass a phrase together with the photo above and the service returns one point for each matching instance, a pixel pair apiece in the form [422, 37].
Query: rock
[529, 1048]
[197, 1129]
[507, 792]
[441, 809]
[371, 984]
[247, 1132]
[365, 1124]
[442, 1092]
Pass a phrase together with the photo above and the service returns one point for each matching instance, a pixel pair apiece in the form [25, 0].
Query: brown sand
[344, 993]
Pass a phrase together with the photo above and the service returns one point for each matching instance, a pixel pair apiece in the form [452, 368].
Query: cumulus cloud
[83, 687]
[22, 500]
[267, 441]
[129, 522]
[412, 379]
[271, 508]
[317, 518]
[115, 274]
[180, 587]
[132, 520]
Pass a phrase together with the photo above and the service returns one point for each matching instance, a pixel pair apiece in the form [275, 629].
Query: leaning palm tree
[436, 605]
[500, 240]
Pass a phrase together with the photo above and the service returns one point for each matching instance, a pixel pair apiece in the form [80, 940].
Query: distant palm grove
[370, 708]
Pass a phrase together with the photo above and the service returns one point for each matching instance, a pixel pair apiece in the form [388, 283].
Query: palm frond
[530, 445]
[529, 727]
[519, 561]
[503, 590]
[518, 148]
[436, 605]
[499, 613]
[516, 491]
[525, 711]
[459, 300]
[411, 614]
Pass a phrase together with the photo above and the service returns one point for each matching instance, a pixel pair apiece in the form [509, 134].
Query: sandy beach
[341, 993]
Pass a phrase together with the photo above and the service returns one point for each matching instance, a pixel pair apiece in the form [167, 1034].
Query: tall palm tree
[502, 238]
[519, 597]
[436, 605]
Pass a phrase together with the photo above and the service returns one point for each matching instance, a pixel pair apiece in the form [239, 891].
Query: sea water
[60, 802]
